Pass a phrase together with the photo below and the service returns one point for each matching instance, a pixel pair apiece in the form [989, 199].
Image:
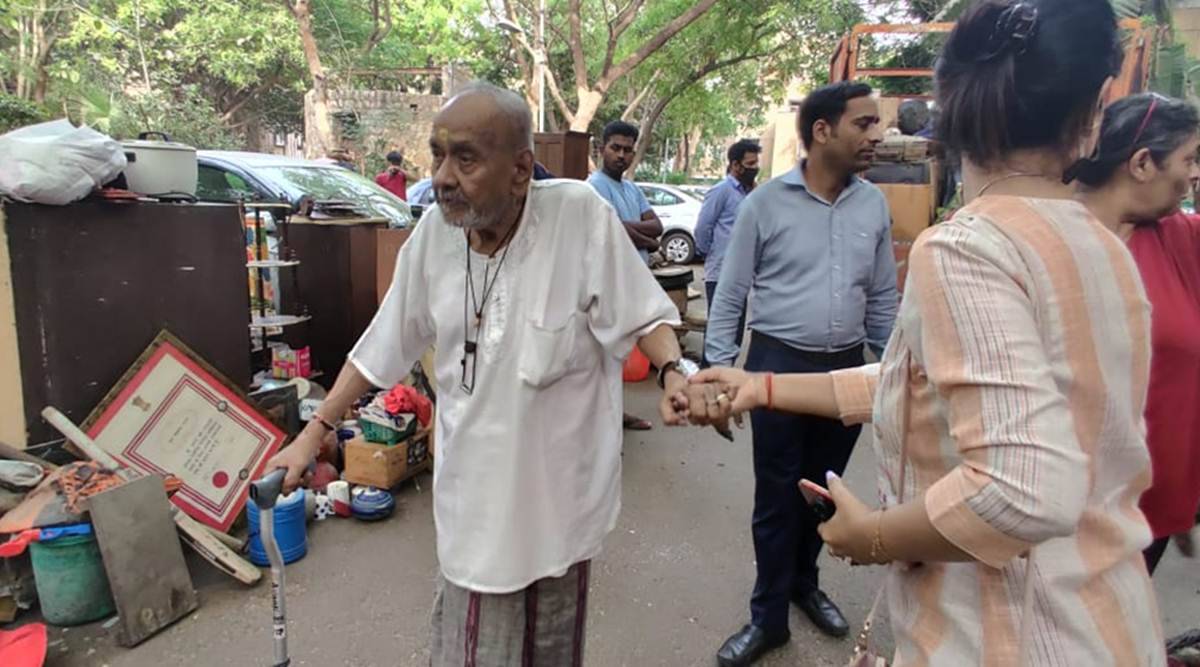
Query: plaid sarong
[541, 626]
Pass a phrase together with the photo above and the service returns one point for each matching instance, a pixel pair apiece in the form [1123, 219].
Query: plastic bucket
[290, 531]
[71, 585]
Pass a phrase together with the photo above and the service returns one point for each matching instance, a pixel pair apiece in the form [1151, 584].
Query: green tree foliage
[16, 112]
[217, 71]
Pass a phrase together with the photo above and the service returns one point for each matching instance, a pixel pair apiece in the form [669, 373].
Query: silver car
[678, 211]
[234, 175]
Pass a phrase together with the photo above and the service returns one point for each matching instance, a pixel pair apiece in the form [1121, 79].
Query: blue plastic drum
[290, 529]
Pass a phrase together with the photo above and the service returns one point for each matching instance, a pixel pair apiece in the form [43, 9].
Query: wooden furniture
[336, 288]
[913, 208]
[565, 155]
[85, 287]
[388, 243]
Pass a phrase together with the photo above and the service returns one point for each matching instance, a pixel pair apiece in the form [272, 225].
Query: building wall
[1187, 25]
[783, 149]
[377, 121]
[290, 144]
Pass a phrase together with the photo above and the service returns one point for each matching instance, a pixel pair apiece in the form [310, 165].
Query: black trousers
[788, 448]
[710, 288]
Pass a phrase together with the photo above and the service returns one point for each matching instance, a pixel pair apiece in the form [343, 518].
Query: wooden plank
[144, 562]
[912, 208]
[894, 72]
[902, 28]
[12, 398]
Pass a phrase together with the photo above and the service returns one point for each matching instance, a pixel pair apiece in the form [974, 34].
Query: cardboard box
[381, 466]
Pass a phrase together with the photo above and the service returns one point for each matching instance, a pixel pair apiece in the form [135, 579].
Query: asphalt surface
[672, 583]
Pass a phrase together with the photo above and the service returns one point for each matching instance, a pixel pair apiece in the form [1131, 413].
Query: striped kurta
[1020, 357]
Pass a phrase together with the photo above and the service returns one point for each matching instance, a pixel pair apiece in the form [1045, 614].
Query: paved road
[672, 582]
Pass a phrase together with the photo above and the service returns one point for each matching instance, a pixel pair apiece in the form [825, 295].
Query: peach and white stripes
[1020, 357]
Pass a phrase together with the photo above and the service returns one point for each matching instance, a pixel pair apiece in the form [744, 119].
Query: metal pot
[159, 168]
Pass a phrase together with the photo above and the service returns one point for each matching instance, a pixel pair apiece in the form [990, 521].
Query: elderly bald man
[533, 295]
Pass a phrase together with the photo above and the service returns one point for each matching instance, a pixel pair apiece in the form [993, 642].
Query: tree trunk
[24, 28]
[647, 131]
[322, 117]
[589, 104]
[680, 163]
[591, 96]
[693, 147]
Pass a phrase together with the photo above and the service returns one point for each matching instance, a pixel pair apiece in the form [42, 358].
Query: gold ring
[722, 397]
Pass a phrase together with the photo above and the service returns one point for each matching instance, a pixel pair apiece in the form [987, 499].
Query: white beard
[471, 221]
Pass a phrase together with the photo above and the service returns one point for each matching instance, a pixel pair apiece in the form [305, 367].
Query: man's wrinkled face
[475, 170]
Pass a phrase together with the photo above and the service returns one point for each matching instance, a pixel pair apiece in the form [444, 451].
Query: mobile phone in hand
[818, 500]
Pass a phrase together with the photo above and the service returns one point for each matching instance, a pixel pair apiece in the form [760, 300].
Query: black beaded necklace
[479, 304]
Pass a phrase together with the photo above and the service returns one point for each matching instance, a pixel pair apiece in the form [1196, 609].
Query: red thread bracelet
[770, 391]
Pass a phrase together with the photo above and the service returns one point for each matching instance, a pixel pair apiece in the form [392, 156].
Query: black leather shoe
[747, 645]
[822, 612]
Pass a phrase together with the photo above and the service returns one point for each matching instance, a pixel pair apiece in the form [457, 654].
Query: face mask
[748, 176]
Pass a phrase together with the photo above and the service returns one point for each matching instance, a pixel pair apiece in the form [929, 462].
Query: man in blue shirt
[813, 250]
[619, 143]
[715, 223]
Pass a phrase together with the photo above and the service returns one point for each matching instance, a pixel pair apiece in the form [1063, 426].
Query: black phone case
[823, 508]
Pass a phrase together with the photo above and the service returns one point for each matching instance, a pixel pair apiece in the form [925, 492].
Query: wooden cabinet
[565, 155]
[336, 285]
[84, 288]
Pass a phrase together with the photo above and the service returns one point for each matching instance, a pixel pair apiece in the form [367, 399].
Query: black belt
[851, 356]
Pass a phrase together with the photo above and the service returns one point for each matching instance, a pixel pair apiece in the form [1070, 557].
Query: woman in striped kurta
[1010, 397]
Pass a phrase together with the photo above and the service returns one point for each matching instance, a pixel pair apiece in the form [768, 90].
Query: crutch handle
[265, 491]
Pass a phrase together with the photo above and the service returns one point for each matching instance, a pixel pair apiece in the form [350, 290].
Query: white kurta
[527, 473]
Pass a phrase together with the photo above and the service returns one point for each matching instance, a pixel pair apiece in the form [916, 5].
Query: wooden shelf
[266, 205]
[272, 263]
[277, 321]
[256, 385]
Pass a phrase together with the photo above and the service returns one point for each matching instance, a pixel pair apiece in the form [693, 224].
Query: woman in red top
[1144, 165]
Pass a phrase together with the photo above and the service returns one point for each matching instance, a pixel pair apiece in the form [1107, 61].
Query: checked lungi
[541, 626]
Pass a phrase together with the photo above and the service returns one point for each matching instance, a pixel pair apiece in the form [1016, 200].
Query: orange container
[637, 366]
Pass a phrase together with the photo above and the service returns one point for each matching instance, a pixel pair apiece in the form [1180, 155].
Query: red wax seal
[220, 479]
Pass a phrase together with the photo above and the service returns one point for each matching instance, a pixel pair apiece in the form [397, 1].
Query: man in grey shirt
[813, 250]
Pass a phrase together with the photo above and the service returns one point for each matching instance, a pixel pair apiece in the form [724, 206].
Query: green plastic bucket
[71, 585]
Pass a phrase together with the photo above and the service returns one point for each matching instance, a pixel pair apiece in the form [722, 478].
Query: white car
[678, 211]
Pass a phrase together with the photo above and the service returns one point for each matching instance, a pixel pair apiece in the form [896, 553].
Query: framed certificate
[173, 414]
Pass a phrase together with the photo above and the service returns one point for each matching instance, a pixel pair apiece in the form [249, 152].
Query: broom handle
[82, 440]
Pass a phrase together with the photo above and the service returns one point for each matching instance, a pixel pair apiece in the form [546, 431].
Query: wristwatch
[685, 367]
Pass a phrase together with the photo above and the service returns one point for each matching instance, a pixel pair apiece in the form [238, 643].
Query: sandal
[632, 423]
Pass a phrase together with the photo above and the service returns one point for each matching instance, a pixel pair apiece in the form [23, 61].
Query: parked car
[233, 175]
[420, 196]
[678, 211]
[697, 191]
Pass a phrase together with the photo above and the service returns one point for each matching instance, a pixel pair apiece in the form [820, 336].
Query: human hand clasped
[716, 395]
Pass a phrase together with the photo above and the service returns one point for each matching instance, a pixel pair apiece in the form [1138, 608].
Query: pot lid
[156, 141]
[146, 145]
